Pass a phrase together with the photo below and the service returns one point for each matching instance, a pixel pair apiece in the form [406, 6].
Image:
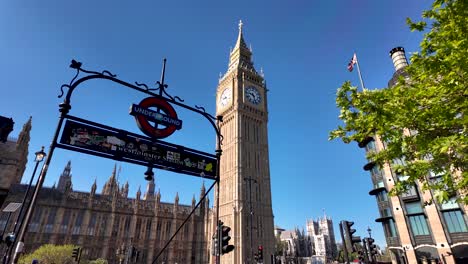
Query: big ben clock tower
[245, 192]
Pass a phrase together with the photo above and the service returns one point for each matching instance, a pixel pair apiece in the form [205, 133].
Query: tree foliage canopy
[423, 118]
[50, 254]
[56, 254]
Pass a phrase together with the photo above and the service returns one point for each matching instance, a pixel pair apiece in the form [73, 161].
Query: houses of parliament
[102, 222]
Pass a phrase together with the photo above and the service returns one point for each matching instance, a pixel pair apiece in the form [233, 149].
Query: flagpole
[359, 71]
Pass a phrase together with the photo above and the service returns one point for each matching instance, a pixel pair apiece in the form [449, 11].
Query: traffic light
[76, 253]
[350, 239]
[260, 253]
[372, 247]
[361, 255]
[225, 247]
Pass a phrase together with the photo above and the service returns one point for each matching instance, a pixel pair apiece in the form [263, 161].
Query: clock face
[253, 95]
[225, 97]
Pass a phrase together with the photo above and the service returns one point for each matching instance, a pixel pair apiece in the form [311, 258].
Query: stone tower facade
[245, 192]
[65, 178]
[13, 159]
[323, 236]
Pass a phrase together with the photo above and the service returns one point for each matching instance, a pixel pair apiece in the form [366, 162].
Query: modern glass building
[415, 232]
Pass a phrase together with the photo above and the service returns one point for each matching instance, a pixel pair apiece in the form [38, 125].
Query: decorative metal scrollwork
[142, 87]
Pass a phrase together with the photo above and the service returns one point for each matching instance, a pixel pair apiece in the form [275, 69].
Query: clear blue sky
[302, 46]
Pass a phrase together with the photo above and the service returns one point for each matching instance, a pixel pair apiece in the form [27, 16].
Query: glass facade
[453, 216]
[382, 196]
[455, 221]
[370, 147]
[390, 228]
[417, 219]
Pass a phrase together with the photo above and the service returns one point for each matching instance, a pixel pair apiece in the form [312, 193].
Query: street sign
[100, 140]
[144, 115]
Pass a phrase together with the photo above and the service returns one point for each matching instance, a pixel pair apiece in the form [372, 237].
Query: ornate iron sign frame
[162, 95]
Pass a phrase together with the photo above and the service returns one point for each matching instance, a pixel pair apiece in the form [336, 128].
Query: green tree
[281, 246]
[98, 261]
[50, 254]
[423, 118]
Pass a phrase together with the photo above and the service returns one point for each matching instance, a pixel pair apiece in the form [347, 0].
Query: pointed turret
[241, 55]
[24, 135]
[138, 194]
[193, 201]
[114, 172]
[149, 194]
[125, 190]
[176, 199]
[22, 147]
[111, 186]
[202, 190]
[93, 187]
[65, 178]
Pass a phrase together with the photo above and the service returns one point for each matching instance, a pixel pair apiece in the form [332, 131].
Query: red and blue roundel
[165, 115]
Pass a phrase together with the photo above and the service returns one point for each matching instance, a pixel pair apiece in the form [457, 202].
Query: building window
[186, 231]
[455, 221]
[138, 228]
[92, 224]
[411, 192]
[370, 147]
[127, 226]
[386, 212]
[417, 219]
[376, 172]
[102, 231]
[168, 230]
[65, 221]
[390, 228]
[34, 225]
[453, 216]
[115, 228]
[50, 220]
[78, 221]
[148, 228]
[379, 184]
[382, 196]
[158, 230]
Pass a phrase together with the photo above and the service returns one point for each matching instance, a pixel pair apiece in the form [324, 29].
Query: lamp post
[40, 155]
[369, 231]
[18, 242]
[251, 216]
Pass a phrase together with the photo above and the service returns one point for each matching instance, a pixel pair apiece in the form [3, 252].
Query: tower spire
[111, 185]
[94, 186]
[241, 56]
[149, 194]
[65, 177]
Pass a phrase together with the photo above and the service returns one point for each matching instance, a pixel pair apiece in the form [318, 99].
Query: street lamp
[369, 231]
[40, 155]
[18, 241]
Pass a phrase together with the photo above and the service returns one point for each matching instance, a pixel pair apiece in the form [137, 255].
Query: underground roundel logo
[164, 116]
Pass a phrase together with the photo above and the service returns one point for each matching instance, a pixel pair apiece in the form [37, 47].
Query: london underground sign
[154, 115]
[144, 115]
